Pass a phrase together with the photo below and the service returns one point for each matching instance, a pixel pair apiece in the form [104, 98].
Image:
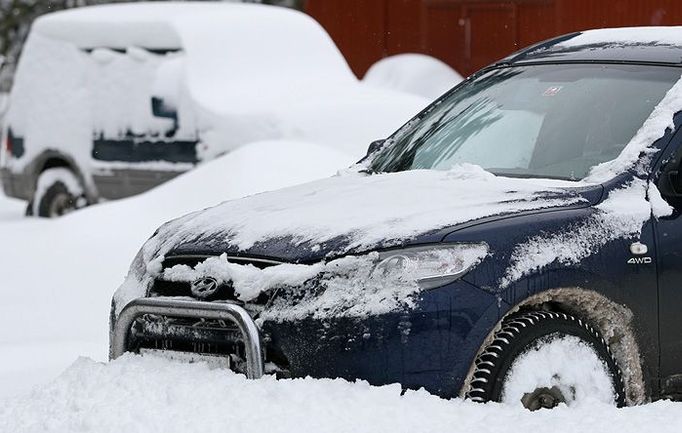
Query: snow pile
[76, 262]
[418, 74]
[567, 363]
[659, 207]
[147, 394]
[248, 281]
[621, 215]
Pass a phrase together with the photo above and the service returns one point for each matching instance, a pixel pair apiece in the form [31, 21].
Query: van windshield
[549, 121]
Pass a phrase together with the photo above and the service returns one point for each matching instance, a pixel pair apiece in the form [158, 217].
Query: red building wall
[469, 34]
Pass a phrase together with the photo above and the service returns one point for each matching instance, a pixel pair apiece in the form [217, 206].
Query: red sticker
[552, 91]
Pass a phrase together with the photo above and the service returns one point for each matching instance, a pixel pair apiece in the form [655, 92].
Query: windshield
[553, 121]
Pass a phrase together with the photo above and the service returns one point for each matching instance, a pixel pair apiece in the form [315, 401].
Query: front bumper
[223, 311]
[15, 185]
[430, 347]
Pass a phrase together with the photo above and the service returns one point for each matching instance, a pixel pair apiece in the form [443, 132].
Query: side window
[138, 114]
[166, 92]
[122, 85]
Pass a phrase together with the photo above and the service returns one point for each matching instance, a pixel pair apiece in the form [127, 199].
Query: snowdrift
[147, 394]
[417, 74]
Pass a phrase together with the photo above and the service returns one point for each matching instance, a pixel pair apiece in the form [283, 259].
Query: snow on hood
[365, 211]
[350, 212]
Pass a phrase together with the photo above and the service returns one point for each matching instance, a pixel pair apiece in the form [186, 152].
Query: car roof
[661, 45]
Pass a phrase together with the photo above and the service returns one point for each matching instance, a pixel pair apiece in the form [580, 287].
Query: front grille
[225, 292]
[193, 260]
[198, 336]
[202, 337]
[186, 335]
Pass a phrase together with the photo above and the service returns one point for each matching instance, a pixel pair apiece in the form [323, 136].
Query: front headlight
[430, 266]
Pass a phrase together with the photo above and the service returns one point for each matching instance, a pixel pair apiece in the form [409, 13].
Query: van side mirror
[161, 109]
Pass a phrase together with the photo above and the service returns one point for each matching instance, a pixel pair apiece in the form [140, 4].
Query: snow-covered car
[518, 241]
[413, 73]
[111, 100]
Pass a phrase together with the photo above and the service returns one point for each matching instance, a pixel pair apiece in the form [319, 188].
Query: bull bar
[191, 309]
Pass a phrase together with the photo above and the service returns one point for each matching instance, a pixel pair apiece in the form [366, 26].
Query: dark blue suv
[519, 240]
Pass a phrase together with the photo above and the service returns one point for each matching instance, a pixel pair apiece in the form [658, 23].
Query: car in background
[109, 101]
[518, 241]
[418, 74]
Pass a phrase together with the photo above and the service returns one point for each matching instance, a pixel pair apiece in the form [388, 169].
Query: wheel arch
[52, 158]
[613, 321]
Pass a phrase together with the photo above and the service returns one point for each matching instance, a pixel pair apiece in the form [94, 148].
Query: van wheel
[58, 192]
[542, 359]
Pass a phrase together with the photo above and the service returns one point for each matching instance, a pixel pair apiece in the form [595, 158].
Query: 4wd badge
[640, 261]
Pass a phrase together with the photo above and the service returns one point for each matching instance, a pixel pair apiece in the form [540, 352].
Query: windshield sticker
[552, 91]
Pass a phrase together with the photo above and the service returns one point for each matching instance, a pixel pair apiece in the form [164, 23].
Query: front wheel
[541, 359]
[58, 192]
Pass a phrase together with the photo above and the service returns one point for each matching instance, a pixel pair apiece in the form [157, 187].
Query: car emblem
[204, 287]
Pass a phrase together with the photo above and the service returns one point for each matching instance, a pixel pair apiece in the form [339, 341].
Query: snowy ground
[135, 394]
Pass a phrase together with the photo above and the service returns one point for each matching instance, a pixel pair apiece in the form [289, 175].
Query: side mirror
[670, 183]
[374, 146]
[161, 109]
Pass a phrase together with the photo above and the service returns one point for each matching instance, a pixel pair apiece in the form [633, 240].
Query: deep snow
[10, 208]
[147, 394]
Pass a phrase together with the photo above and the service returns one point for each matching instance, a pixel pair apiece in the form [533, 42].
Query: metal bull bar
[191, 309]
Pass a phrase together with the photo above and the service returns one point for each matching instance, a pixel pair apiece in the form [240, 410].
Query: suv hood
[354, 212]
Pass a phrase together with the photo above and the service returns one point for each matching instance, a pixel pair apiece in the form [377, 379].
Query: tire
[541, 359]
[58, 192]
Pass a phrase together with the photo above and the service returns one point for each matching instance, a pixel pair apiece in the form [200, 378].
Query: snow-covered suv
[111, 100]
[520, 240]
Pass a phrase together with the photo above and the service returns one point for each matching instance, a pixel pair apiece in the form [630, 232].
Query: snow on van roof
[662, 35]
[149, 24]
[246, 39]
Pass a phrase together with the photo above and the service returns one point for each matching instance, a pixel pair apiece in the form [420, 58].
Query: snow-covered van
[518, 241]
[111, 100]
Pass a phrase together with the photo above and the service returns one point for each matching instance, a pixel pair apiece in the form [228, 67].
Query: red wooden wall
[469, 34]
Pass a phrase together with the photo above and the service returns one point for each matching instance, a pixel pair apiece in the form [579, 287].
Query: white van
[109, 101]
